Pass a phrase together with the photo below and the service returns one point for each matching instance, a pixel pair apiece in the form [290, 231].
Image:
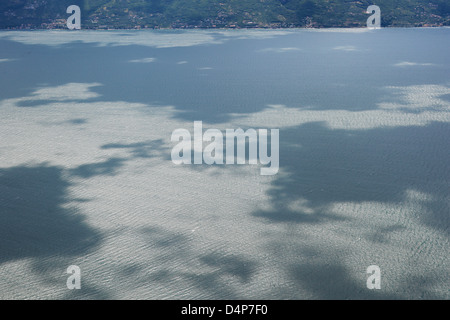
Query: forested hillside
[222, 13]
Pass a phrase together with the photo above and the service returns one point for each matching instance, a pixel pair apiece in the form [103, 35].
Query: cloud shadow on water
[111, 166]
[206, 273]
[144, 149]
[323, 166]
[107, 167]
[35, 219]
[243, 79]
[330, 166]
[400, 166]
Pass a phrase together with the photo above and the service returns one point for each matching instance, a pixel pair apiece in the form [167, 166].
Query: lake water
[86, 176]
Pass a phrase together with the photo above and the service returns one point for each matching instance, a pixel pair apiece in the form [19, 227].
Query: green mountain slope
[221, 13]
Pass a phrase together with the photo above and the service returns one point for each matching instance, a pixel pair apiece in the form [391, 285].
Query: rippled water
[86, 177]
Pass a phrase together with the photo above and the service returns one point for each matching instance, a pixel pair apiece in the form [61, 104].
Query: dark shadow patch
[285, 215]
[170, 244]
[77, 121]
[145, 149]
[160, 276]
[332, 281]
[130, 270]
[39, 102]
[34, 220]
[237, 266]
[108, 167]
[212, 285]
[164, 239]
[445, 97]
[174, 253]
[382, 234]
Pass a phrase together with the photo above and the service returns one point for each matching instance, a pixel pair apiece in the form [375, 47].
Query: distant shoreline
[218, 14]
[224, 28]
